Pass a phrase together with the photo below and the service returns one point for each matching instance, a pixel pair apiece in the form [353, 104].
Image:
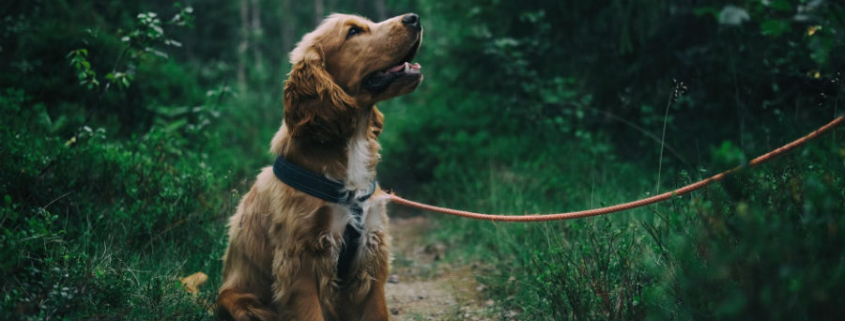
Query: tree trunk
[318, 12]
[288, 26]
[243, 46]
[256, 35]
[381, 10]
[360, 7]
[331, 6]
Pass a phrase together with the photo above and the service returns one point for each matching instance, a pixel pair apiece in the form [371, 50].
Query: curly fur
[284, 244]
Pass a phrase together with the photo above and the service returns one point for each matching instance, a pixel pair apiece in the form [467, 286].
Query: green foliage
[67, 202]
[100, 225]
[87, 76]
[535, 107]
[738, 256]
[763, 244]
[130, 129]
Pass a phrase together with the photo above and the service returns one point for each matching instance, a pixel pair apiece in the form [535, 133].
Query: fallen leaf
[193, 282]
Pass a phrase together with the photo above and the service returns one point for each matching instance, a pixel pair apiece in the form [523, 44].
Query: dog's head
[348, 63]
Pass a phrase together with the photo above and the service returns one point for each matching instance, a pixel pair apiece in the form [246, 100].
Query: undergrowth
[765, 243]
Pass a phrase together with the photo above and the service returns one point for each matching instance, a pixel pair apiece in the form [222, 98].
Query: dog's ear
[316, 108]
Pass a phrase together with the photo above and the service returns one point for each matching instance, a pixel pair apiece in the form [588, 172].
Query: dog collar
[331, 191]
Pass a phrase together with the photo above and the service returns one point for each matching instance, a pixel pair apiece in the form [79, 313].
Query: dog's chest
[369, 220]
[362, 157]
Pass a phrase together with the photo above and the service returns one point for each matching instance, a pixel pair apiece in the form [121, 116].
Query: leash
[619, 207]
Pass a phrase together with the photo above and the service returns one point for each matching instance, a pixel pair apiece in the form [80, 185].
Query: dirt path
[421, 287]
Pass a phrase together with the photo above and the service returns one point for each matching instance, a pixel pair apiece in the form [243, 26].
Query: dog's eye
[354, 31]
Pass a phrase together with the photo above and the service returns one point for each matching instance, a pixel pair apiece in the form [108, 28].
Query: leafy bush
[78, 217]
[99, 222]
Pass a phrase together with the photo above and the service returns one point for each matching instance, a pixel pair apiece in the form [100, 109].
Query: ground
[422, 287]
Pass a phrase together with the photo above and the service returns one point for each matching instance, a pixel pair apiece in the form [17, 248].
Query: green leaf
[781, 5]
[701, 11]
[774, 27]
[176, 125]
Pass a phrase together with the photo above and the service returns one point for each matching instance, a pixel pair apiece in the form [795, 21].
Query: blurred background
[130, 129]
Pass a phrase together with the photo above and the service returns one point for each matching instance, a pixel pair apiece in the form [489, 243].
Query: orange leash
[620, 207]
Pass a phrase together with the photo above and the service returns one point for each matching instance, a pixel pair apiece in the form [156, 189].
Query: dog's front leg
[365, 296]
[371, 305]
[375, 305]
[297, 292]
[378, 250]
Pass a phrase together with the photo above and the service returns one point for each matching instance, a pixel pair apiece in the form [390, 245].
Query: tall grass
[765, 243]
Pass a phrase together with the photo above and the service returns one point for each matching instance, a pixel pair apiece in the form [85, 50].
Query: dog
[309, 241]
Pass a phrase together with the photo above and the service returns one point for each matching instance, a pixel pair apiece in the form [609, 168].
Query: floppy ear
[316, 108]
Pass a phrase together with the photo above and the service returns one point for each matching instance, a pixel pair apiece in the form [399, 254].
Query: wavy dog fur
[284, 244]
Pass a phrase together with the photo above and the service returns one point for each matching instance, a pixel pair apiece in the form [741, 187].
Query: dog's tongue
[405, 66]
[397, 68]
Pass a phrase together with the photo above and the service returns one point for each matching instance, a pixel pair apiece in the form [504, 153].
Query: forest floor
[423, 287]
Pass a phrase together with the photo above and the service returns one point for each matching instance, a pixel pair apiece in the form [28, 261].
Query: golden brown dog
[282, 259]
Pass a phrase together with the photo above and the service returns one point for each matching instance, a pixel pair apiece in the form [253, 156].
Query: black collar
[330, 191]
[315, 184]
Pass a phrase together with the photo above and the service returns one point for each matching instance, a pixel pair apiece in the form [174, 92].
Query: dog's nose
[412, 20]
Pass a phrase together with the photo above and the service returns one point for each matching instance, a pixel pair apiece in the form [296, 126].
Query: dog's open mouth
[380, 80]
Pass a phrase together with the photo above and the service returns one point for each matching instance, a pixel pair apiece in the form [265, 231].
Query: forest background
[130, 129]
